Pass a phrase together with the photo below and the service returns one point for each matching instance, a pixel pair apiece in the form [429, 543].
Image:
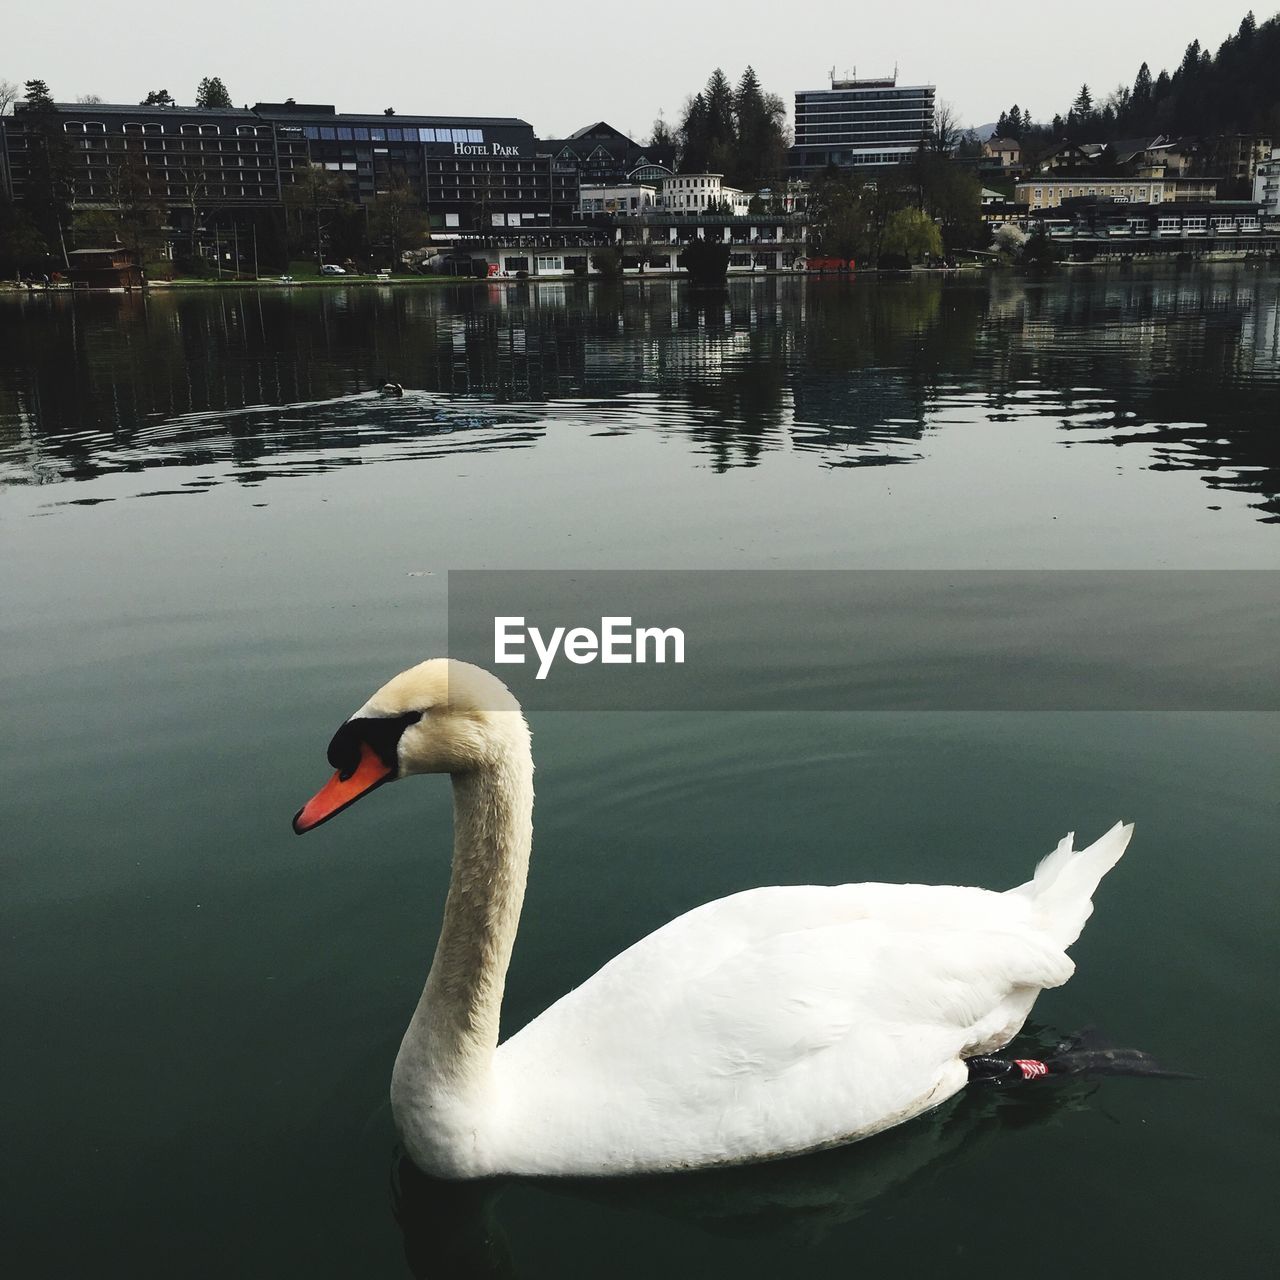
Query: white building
[602, 197]
[701, 193]
[1266, 185]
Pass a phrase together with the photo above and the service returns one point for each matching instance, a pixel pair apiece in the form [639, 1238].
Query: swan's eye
[382, 733]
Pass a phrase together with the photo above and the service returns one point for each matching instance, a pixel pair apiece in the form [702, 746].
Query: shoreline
[9, 287]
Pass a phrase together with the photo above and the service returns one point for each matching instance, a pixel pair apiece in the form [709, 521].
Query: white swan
[774, 1021]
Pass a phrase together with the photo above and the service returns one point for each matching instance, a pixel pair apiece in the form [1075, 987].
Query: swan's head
[441, 716]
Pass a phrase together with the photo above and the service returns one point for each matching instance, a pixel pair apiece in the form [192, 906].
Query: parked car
[332, 269]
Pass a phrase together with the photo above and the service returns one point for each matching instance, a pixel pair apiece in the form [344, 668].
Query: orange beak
[339, 792]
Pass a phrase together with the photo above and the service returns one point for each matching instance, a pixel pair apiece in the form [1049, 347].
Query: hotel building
[860, 122]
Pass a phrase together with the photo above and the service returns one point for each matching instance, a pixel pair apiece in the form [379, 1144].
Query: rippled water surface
[218, 541]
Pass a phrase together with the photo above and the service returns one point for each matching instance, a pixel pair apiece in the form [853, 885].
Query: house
[1066, 156]
[113, 268]
[1006, 151]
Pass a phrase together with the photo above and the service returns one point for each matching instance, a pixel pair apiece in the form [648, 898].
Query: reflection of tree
[849, 373]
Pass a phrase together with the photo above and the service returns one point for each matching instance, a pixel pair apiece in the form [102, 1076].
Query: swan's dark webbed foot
[1081, 1055]
[1005, 1071]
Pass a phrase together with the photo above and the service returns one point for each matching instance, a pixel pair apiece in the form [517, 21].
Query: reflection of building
[1049, 193]
[860, 122]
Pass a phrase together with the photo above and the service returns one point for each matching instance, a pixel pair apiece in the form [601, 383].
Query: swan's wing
[773, 1021]
[779, 1001]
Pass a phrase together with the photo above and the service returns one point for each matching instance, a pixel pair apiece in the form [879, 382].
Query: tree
[8, 95]
[158, 98]
[694, 142]
[50, 188]
[396, 218]
[706, 261]
[661, 135]
[211, 92]
[320, 197]
[1008, 241]
[88, 99]
[22, 247]
[911, 234]
[945, 134]
[841, 216]
[607, 261]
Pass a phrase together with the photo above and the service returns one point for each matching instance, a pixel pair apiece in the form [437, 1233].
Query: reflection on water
[261, 384]
[460, 1229]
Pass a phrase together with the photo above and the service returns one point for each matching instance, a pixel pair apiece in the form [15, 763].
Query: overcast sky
[561, 64]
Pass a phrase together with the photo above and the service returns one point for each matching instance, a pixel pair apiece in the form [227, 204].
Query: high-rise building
[860, 122]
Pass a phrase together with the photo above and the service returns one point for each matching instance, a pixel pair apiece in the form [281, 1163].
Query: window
[311, 131]
[515, 264]
[450, 219]
[475, 135]
[426, 135]
[344, 135]
[550, 264]
[497, 219]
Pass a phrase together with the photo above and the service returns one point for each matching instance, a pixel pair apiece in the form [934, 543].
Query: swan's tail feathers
[1063, 885]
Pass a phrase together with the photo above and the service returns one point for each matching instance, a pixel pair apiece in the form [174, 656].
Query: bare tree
[946, 128]
[8, 96]
[89, 99]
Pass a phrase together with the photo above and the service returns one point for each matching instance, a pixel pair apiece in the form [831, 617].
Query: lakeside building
[602, 197]
[599, 153]
[1266, 185]
[1186, 226]
[1049, 193]
[182, 153]
[859, 123]
[468, 172]
[646, 243]
[694, 193]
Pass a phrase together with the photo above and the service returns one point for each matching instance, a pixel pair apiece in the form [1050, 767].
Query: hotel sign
[484, 149]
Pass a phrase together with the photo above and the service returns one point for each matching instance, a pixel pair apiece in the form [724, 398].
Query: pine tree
[212, 93]
[50, 185]
[694, 142]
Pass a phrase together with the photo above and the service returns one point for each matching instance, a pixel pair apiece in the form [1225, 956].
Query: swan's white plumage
[774, 1021]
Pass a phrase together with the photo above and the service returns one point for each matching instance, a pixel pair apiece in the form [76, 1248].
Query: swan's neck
[454, 1031]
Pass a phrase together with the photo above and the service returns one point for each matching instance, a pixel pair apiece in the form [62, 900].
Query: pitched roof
[601, 129]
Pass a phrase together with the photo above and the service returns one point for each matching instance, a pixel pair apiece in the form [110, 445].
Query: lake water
[217, 542]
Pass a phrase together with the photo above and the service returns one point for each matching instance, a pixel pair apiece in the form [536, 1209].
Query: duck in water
[392, 389]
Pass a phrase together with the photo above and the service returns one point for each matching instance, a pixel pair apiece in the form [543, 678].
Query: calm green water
[216, 543]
